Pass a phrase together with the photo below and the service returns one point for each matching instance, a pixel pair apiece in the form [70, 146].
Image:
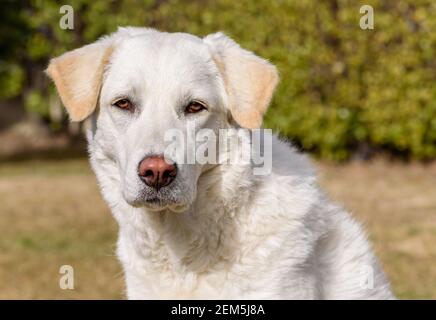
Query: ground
[51, 214]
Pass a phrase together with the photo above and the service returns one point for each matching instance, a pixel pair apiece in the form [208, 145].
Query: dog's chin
[158, 205]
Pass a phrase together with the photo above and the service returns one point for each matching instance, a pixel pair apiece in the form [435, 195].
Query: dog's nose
[156, 172]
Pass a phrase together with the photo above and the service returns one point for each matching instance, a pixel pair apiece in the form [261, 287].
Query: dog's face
[154, 85]
[149, 85]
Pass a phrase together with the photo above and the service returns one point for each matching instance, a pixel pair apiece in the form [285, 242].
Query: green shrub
[341, 87]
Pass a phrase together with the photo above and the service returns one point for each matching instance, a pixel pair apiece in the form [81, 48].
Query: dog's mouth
[157, 204]
[154, 200]
[173, 197]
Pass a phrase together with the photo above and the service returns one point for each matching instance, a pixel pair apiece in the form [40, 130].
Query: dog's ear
[78, 76]
[250, 80]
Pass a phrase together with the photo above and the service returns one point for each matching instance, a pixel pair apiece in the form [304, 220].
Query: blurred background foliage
[344, 91]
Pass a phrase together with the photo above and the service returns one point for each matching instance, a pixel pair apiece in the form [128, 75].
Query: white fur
[238, 236]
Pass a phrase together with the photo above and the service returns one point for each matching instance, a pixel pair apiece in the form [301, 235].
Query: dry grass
[51, 214]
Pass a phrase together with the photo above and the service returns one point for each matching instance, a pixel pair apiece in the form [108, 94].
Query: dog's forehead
[163, 54]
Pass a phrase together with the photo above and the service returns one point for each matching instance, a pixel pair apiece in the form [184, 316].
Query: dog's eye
[194, 107]
[124, 104]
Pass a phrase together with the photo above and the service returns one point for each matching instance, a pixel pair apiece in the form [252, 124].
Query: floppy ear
[78, 75]
[250, 80]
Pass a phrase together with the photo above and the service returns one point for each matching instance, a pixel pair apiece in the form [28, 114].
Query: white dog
[213, 230]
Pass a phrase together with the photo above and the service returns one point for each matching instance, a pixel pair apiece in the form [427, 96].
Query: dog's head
[146, 84]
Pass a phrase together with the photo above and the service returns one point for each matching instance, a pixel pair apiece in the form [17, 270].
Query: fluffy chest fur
[239, 247]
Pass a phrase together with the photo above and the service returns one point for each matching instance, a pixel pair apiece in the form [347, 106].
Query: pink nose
[156, 172]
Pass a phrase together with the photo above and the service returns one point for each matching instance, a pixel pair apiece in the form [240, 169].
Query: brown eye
[194, 107]
[123, 104]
